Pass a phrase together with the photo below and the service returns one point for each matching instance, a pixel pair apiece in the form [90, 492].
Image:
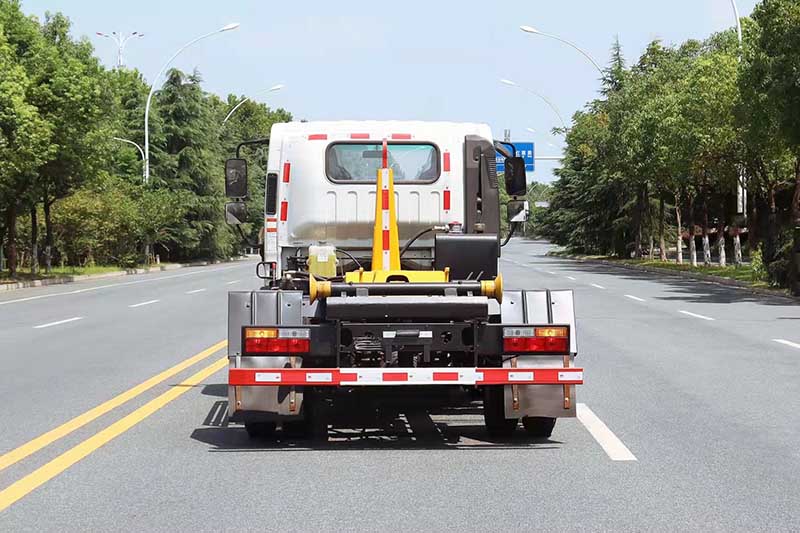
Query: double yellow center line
[43, 474]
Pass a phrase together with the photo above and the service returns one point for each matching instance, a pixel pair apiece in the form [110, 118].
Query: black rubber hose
[348, 254]
[414, 238]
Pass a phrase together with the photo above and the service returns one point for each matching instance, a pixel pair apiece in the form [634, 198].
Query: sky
[409, 60]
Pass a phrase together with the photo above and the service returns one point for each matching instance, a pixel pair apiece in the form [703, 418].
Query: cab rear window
[348, 162]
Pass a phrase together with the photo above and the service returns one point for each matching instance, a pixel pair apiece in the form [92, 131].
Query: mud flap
[540, 307]
[263, 308]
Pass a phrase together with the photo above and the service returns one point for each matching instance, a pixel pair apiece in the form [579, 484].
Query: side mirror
[236, 178]
[517, 211]
[516, 181]
[235, 213]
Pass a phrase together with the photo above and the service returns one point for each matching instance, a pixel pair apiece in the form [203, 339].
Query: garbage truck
[381, 278]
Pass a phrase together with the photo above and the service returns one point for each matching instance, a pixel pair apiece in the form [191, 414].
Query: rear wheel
[260, 430]
[314, 424]
[539, 426]
[497, 425]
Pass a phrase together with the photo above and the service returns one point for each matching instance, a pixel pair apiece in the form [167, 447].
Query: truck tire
[260, 430]
[539, 427]
[314, 424]
[494, 417]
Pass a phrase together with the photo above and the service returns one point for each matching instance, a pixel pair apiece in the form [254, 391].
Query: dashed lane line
[573, 279]
[695, 315]
[195, 291]
[232, 282]
[97, 288]
[142, 304]
[595, 285]
[58, 323]
[611, 444]
[787, 343]
[632, 297]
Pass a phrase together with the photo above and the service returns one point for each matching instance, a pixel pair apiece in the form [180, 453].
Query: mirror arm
[511, 231]
[265, 141]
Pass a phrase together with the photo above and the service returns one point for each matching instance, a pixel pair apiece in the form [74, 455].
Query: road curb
[61, 280]
[708, 278]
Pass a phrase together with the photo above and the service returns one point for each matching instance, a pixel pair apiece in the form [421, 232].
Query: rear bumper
[334, 377]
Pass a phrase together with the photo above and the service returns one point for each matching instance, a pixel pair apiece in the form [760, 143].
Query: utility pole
[121, 39]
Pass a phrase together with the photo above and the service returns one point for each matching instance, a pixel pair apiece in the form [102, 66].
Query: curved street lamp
[121, 39]
[534, 31]
[738, 21]
[511, 83]
[272, 89]
[228, 27]
[141, 152]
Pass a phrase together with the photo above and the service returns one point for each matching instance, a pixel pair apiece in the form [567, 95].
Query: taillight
[532, 340]
[276, 341]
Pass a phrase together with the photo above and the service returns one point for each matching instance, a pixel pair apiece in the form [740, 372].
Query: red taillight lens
[276, 345]
[536, 344]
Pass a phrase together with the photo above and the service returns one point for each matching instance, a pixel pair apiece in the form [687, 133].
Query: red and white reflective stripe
[287, 169]
[359, 135]
[446, 162]
[401, 136]
[404, 376]
[271, 225]
[284, 210]
[318, 137]
[385, 220]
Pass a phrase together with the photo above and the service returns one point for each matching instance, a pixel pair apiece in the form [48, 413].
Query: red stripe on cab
[284, 210]
[401, 136]
[359, 135]
[446, 163]
[446, 200]
[318, 137]
[287, 168]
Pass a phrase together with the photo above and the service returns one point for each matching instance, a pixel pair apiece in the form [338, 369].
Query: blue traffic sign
[524, 150]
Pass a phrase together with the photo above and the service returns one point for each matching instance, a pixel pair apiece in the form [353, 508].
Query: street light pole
[511, 83]
[121, 39]
[247, 99]
[141, 152]
[738, 21]
[153, 90]
[534, 31]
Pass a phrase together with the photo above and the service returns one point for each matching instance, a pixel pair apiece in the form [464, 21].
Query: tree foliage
[671, 138]
[65, 163]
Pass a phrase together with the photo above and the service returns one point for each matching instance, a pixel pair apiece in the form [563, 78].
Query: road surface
[115, 397]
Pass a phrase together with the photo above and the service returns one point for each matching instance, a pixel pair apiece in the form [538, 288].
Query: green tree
[779, 41]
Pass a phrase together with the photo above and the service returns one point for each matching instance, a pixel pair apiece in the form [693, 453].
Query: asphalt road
[698, 383]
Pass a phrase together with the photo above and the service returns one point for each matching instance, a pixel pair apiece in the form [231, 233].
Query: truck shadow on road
[411, 429]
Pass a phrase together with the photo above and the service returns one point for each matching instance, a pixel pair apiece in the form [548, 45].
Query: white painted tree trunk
[692, 248]
[679, 241]
[723, 260]
[737, 249]
[706, 250]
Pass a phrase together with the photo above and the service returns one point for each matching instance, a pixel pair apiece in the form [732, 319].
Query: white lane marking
[787, 343]
[142, 304]
[632, 297]
[79, 291]
[703, 317]
[573, 279]
[232, 282]
[195, 291]
[597, 286]
[614, 448]
[550, 272]
[49, 324]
